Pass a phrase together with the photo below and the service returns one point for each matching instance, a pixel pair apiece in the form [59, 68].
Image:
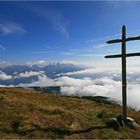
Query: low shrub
[15, 124]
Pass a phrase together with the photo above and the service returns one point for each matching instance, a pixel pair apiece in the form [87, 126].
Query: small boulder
[113, 123]
[131, 123]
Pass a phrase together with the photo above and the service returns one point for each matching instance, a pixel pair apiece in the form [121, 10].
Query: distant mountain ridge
[15, 74]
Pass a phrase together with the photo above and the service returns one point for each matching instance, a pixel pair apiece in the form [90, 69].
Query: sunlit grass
[29, 114]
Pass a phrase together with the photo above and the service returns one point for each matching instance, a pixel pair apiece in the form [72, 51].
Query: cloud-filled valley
[75, 80]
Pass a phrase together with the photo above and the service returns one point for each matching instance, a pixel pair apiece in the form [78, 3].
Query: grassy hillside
[28, 114]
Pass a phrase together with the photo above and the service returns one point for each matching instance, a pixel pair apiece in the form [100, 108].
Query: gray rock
[119, 122]
[130, 119]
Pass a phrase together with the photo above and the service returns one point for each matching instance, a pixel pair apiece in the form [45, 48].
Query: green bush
[15, 124]
[1, 98]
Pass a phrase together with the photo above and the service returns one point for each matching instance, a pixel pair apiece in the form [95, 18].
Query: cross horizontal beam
[120, 40]
[114, 41]
[120, 55]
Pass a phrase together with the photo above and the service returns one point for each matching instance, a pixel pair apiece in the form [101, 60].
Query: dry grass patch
[28, 114]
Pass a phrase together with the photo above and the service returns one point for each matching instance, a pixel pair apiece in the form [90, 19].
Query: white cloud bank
[4, 76]
[103, 86]
[30, 74]
[43, 80]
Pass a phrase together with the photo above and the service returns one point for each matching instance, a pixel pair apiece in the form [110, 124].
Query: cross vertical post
[123, 56]
[124, 84]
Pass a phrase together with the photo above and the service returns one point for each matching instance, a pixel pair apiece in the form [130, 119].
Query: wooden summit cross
[123, 56]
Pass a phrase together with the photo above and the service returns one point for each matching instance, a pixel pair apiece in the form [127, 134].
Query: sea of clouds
[100, 80]
[96, 82]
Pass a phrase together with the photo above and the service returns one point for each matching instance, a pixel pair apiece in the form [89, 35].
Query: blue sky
[65, 31]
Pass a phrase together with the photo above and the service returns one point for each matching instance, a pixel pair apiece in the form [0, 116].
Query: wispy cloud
[46, 49]
[103, 38]
[55, 17]
[82, 53]
[8, 27]
[39, 52]
[117, 4]
[2, 47]
[100, 46]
